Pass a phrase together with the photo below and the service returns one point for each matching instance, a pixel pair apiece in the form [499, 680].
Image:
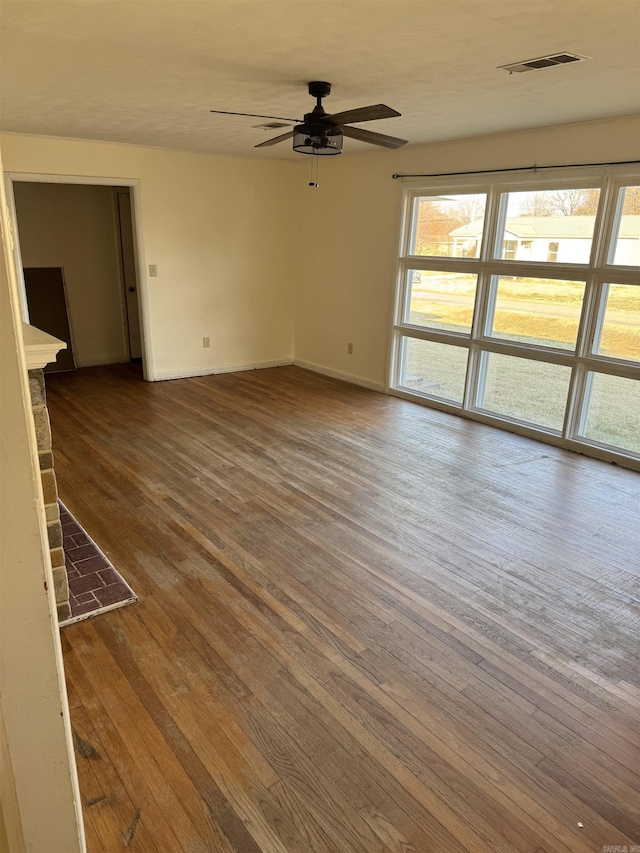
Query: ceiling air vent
[543, 62]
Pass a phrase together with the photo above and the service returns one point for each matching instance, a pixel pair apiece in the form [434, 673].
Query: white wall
[219, 229]
[38, 785]
[75, 227]
[351, 231]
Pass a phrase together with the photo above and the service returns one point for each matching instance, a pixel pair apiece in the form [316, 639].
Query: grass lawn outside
[540, 312]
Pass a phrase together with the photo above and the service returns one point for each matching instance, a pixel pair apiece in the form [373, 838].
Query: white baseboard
[161, 375]
[339, 374]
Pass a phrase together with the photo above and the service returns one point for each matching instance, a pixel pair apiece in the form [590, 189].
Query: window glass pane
[613, 413]
[531, 391]
[627, 238]
[549, 226]
[433, 368]
[441, 300]
[539, 311]
[448, 226]
[620, 336]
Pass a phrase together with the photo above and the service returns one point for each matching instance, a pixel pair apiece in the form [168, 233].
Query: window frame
[598, 272]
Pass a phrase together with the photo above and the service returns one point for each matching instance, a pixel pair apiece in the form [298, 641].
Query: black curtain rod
[397, 176]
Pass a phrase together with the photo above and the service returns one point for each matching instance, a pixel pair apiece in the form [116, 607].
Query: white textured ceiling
[148, 71]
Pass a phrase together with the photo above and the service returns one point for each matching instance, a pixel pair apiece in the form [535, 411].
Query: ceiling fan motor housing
[319, 89]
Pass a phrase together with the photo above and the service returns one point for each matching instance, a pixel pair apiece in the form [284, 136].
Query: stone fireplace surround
[41, 349]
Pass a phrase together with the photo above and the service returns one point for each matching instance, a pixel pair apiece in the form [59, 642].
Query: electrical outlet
[153, 270]
[206, 342]
[350, 349]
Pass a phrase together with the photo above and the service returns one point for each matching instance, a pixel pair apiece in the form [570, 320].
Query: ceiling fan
[321, 133]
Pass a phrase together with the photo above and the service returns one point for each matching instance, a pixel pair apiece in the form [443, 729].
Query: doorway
[90, 231]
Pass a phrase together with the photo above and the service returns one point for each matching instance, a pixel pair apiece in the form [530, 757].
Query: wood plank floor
[364, 626]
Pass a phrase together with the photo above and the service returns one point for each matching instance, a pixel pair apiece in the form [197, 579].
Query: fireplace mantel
[40, 348]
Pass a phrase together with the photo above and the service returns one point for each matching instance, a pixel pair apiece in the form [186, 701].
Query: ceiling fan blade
[275, 140]
[255, 115]
[374, 138]
[361, 114]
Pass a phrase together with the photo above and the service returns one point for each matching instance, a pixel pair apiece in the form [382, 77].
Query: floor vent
[543, 62]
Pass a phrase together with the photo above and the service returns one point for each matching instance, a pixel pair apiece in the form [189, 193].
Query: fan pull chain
[314, 171]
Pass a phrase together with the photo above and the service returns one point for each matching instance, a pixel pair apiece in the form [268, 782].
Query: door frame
[117, 215]
[138, 242]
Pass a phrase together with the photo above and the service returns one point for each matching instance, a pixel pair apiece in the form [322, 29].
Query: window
[557, 223]
[433, 368]
[513, 308]
[613, 411]
[447, 225]
[509, 249]
[534, 392]
[619, 332]
[626, 230]
[441, 300]
[537, 311]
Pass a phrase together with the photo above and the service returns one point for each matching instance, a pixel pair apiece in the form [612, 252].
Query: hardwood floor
[364, 626]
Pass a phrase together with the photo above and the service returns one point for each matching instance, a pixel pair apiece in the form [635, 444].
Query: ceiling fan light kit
[323, 140]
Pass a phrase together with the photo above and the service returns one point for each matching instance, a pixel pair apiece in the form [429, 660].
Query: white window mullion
[609, 222]
[588, 320]
[494, 225]
[592, 316]
[440, 335]
[475, 378]
[475, 374]
[577, 402]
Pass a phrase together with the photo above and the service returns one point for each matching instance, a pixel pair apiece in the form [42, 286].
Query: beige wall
[245, 246]
[74, 227]
[219, 230]
[351, 228]
[37, 768]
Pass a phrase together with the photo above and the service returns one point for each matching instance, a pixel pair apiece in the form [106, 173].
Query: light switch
[153, 270]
